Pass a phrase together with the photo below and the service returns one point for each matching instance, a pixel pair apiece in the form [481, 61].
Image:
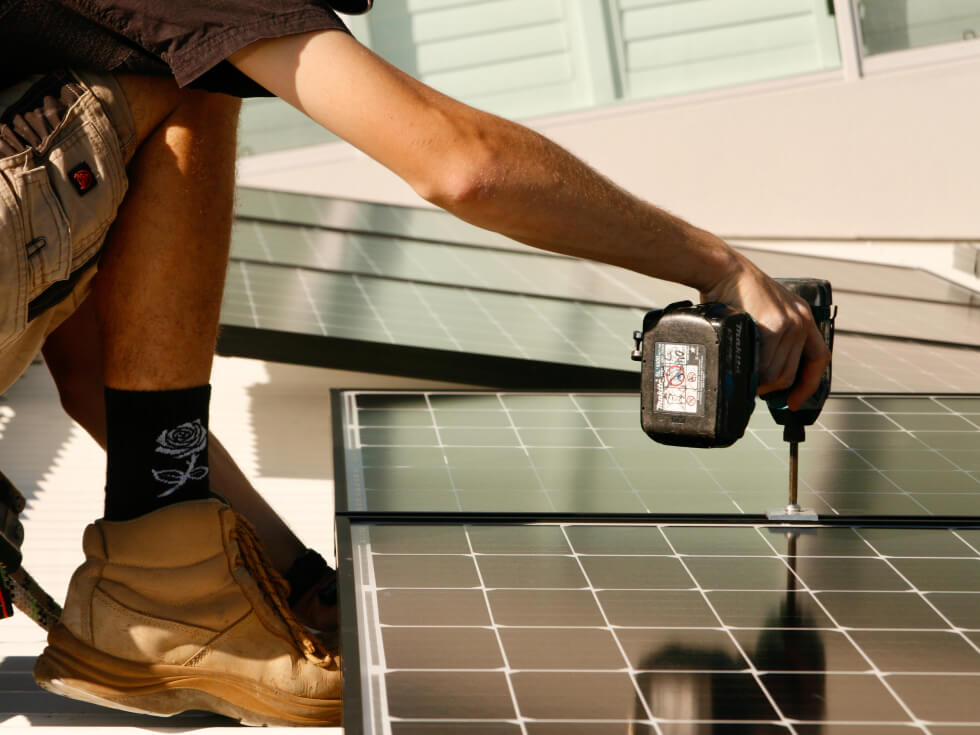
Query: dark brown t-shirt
[186, 39]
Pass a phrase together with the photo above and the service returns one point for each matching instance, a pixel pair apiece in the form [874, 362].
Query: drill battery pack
[699, 374]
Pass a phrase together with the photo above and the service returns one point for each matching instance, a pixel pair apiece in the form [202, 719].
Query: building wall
[892, 155]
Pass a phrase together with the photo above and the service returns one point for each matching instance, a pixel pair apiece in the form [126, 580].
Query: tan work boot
[179, 609]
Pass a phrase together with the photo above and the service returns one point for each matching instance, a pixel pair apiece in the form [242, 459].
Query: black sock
[156, 449]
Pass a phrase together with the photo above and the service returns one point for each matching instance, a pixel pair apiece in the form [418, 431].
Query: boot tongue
[177, 535]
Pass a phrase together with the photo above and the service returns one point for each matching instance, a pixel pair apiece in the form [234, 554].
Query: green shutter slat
[721, 43]
[492, 48]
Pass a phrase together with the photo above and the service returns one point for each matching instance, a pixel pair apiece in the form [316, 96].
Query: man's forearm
[532, 190]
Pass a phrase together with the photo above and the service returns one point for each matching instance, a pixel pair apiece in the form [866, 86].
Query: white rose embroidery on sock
[187, 440]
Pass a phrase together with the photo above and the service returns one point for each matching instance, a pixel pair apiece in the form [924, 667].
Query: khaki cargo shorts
[65, 139]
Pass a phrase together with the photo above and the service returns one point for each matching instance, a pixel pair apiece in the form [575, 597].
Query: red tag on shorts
[82, 178]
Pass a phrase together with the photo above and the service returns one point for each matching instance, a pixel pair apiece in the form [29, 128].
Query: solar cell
[575, 627]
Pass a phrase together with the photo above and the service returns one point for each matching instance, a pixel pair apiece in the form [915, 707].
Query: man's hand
[793, 352]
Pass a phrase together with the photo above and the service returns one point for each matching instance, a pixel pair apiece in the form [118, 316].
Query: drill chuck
[818, 294]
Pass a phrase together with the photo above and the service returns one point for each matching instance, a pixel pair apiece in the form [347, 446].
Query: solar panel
[383, 325]
[538, 274]
[488, 337]
[439, 226]
[584, 453]
[582, 628]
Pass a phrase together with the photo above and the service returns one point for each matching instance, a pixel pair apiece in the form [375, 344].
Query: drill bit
[794, 472]
[793, 434]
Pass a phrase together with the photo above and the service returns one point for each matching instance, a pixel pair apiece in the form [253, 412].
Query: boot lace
[276, 591]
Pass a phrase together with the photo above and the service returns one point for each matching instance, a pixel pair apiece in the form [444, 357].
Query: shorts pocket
[87, 174]
[47, 239]
[35, 247]
[13, 267]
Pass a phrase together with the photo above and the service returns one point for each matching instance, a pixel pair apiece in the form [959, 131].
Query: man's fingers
[780, 370]
[782, 348]
[815, 358]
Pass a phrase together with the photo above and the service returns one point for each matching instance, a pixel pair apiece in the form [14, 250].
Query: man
[127, 638]
[67, 138]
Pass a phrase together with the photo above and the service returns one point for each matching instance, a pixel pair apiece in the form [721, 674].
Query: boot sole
[74, 669]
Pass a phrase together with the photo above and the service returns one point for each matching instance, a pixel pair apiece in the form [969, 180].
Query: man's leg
[176, 606]
[158, 294]
[74, 359]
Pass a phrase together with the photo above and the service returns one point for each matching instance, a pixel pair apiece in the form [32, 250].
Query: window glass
[894, 25]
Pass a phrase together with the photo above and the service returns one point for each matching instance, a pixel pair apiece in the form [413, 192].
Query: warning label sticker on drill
[678, 378]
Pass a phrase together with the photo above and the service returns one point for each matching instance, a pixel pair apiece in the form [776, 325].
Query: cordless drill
[699, 376]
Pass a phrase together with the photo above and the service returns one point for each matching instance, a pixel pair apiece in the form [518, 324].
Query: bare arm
[504, 177]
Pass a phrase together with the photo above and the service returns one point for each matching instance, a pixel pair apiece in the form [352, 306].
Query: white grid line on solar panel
[248, 294]
[874, 668]
[493, 320]
[622, 651]
[914, 434]
[923, 596]
[374, 310]
[507, 667]
[680, 556]
[521, 445]
[738, 646]
[438, 320]
[535, 308]
[616, 464]
[309, 298]
[857, 450]
[435, 424]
